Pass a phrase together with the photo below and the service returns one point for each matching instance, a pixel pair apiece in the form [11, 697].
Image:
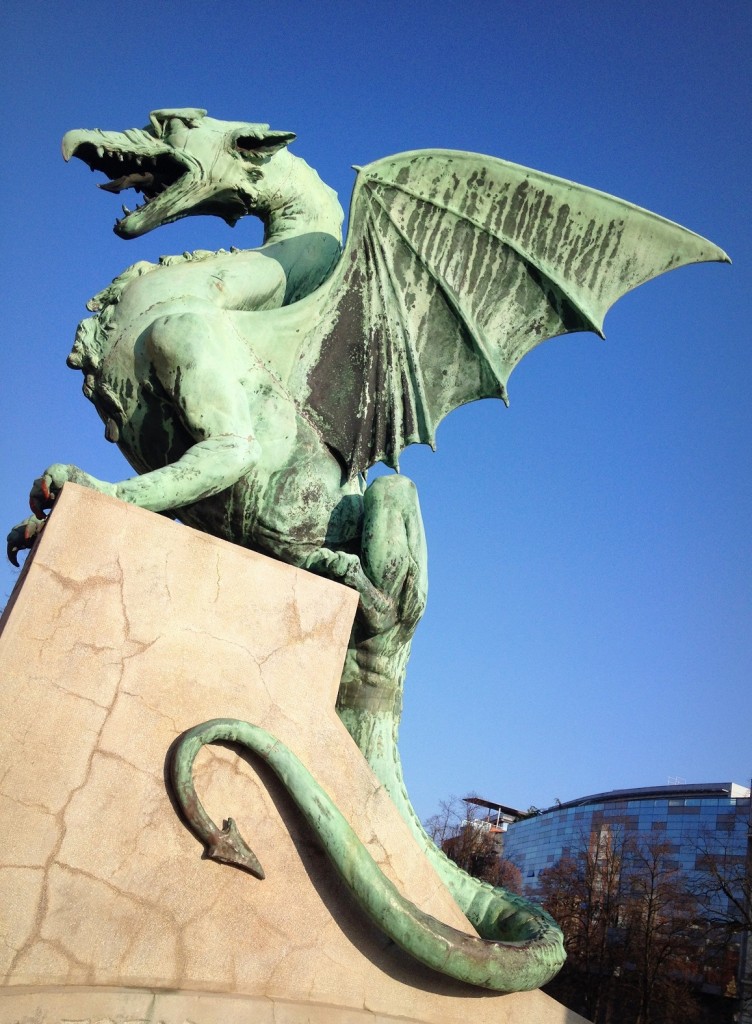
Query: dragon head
[183, 163]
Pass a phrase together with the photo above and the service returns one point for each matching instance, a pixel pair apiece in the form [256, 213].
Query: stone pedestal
[125, 630]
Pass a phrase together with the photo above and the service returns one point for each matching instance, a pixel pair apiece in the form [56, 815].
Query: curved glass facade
[683, 816]
[663, 872]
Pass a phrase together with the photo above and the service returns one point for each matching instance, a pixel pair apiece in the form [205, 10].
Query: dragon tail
[529, 955]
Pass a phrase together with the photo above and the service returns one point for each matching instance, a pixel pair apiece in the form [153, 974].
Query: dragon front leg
[523, 963]
[203, 471]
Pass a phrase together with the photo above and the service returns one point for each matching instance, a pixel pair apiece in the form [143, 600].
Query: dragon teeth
[125, 210]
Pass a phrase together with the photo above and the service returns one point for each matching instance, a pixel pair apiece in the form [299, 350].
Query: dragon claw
[44, 492]
[41, 497]
[22, 537]
[378, 611]
[45, 489]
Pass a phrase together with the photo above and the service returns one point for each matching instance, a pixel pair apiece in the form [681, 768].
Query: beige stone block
[126, 630]
[21, 894]
[48, 771]
[81, 1005]
[27, 821]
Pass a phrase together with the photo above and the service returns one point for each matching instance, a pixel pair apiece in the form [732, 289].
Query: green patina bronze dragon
[252, 390]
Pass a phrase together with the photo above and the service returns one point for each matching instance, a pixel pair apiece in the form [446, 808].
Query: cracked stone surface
[126, 630]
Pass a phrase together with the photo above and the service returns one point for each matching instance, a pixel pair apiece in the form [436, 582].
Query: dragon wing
[455, 266]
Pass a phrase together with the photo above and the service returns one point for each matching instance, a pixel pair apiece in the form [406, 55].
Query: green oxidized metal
[502, 966]
[252, 390]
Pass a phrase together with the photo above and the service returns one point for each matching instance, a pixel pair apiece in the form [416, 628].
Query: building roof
[493, 806]
[694, 790]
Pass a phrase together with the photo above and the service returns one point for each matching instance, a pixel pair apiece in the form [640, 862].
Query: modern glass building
[683, 816]
[692, 830]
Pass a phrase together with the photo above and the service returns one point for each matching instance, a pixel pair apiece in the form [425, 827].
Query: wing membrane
[456, 266]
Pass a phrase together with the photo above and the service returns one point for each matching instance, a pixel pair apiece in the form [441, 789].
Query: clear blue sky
[589, 616]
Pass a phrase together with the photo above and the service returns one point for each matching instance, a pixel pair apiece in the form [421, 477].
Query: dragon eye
[169, 119]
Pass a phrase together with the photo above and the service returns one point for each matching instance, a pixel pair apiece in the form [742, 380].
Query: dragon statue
[251, 390]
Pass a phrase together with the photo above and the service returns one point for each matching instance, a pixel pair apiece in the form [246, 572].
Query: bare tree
[584, 894]
[662, 939]
[630, 927]
[724, 885]
[724, 891]
[474, 843]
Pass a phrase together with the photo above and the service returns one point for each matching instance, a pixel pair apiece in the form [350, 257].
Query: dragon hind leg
[393, 546]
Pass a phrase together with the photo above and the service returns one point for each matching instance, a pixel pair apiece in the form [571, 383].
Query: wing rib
[541, 257]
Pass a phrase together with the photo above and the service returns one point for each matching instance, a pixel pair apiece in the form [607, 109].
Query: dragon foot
[22, 537]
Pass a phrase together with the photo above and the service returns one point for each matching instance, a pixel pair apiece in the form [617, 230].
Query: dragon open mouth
[182, 164]
[150, 176]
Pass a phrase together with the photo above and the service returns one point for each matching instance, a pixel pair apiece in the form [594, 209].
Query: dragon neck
[296, 201]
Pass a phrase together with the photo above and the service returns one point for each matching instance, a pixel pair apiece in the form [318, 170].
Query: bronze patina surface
[252, 390]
